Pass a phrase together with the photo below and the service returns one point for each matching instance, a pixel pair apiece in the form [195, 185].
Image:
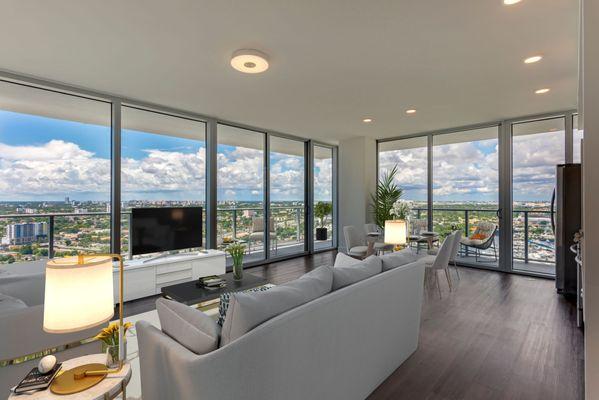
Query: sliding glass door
[466, 192]
[537, 147]
[287, 196]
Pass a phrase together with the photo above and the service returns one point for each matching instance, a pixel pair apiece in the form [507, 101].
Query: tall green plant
[321, 211]
[387, 193]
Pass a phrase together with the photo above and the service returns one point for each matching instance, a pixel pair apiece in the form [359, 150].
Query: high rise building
[24, 233]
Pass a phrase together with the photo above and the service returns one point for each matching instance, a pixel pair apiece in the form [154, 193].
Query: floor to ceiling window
[162, 164]
[410, 159]
[537, 147]
[287, 196]
[500, 178]
[240, 191]
[54, 174]
[324, 215]
[466, 191]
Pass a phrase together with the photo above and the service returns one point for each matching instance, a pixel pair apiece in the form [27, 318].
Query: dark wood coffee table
[189, 293]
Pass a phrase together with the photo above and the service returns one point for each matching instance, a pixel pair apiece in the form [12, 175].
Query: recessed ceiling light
[542, 91]
[249, 61]
[511, 2]
[367, 120]
[411, 111]
[533, 59]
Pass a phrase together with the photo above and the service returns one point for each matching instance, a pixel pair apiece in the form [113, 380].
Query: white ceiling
[333, 62]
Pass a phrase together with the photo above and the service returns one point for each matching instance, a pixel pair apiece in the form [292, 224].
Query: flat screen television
[156, 230]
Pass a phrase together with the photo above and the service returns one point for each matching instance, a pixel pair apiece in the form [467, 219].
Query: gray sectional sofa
[339, 345]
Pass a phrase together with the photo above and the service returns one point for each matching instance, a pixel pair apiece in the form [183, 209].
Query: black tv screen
[162, 229]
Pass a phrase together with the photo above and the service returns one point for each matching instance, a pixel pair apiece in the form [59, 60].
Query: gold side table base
[74, 380]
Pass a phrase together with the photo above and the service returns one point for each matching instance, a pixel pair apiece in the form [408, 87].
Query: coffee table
[190, 294]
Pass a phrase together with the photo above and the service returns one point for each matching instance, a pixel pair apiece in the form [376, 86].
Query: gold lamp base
[76, 380]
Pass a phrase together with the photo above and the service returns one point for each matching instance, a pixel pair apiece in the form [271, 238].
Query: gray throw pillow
[247, 310]
[397, 259]
[343, 260]
[190, 327]
[347, 275]
[225, 300]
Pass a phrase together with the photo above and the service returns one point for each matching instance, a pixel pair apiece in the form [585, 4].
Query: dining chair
[440, 261]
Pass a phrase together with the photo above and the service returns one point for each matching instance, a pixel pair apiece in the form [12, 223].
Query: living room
[208, 200]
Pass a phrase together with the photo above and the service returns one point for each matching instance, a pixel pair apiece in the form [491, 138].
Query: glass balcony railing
[533, 238]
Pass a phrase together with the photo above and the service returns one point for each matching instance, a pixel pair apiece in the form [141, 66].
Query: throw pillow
[190, 327]
[347, 275]
[225, 299]
[478, 236]
[343, 260]
[247, 310]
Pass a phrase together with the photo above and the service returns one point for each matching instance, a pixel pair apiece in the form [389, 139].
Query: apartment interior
[299, 200]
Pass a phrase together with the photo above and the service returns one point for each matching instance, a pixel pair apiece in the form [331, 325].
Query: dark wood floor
[496, 337]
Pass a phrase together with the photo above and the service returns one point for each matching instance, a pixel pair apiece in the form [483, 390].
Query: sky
[47, 159]
[469, 171]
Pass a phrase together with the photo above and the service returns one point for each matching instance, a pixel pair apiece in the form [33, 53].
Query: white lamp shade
[395, 231]
[78, 295]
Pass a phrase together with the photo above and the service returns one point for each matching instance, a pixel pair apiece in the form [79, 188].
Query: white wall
[357, 179]
[590, 109]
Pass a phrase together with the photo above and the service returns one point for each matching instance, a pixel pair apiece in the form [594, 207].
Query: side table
[107, 389]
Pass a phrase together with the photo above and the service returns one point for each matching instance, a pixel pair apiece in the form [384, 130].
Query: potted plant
[110, 342]
[322, 210]
[237, 251]
[382, 201]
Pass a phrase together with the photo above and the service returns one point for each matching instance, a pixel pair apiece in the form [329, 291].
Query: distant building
[248, 213]
[67, 200]
[80, 210]
[108, 209]
[25, 233]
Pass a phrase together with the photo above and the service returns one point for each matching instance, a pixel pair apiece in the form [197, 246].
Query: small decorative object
[110, 343]
[236, 251]
[395, 233]
[321, 211]
[46, 364]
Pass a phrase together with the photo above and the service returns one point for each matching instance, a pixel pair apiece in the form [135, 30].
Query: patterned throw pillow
[224, 302]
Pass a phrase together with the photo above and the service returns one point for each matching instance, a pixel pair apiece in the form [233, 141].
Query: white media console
[146, 277]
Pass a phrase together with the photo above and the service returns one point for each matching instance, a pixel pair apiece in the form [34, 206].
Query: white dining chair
[440, 261]
[454, 251]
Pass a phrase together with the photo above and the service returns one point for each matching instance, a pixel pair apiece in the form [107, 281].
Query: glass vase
[238, 269]
[112, 354]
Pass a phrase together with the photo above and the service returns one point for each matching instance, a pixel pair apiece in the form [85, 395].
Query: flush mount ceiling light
[249, 61]
[411, 111]
[367, 120]
[511, 2]
[533, 59]
[542, 91]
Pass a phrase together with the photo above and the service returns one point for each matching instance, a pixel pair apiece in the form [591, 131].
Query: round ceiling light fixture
[511, 2]
[249, 61]
[533, 59]
[411, 111]
[367, 120]
[542, 91]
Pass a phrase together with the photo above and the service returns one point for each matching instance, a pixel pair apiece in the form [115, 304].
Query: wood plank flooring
[496, 337]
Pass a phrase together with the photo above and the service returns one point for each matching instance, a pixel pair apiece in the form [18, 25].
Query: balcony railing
[542, 237]
[233, 223]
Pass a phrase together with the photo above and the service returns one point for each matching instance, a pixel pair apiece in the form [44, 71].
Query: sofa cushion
[397, 259]
[225, 300]
[247, 310]
[9, 303]
[190, 327]
[345, 275]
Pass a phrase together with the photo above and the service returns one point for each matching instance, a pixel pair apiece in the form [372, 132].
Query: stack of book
[211, 282]
[35, 380]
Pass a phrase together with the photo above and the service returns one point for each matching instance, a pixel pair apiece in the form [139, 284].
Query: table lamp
[395, 233]
[79, 295]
